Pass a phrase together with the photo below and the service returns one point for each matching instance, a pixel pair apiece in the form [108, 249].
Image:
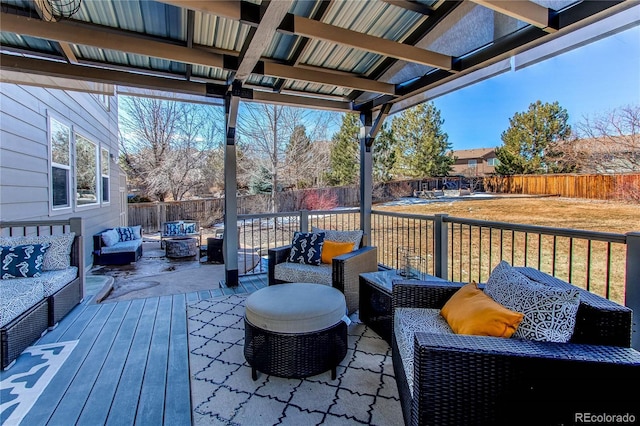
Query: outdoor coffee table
[375, 299]
[295, 330]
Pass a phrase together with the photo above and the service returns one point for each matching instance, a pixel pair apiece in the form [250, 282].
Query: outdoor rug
[22, 383]
[223, 393]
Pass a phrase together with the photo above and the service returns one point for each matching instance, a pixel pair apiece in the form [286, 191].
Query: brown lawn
[593, 215]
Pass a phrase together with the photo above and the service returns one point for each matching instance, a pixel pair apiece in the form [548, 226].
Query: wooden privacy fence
[208, 211]
[600, 187]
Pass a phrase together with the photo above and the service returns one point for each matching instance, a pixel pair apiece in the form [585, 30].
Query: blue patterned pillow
[129, 233]
[172, 228]
[306, 247]
[22, 261]
[189, 228]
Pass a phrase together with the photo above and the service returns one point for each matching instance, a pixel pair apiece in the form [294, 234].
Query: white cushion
[58, 255]
[408, 321]
[50, 281]
[549, 311]
[295, 307]
[302, 272]
[110, 237]
[341, 236]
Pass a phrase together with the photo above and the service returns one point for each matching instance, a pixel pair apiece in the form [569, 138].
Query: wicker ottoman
[295, 330]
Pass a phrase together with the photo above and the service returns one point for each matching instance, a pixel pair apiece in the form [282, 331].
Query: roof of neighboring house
[463, 154]
[608, 144]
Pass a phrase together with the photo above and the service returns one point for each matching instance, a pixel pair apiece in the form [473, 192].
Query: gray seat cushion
[408, 321]
[17, 296]
[295, 308]
[303, 273]
[123, 247]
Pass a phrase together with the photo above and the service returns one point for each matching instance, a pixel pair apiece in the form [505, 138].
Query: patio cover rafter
[526, 11]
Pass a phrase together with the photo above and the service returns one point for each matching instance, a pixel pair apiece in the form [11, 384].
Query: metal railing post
[304, 220]
[632, 284]
[441, 242]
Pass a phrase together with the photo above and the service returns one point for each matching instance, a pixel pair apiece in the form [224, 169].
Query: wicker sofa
[343, 273]
[464, 379]
[119, 252]
[30, 306]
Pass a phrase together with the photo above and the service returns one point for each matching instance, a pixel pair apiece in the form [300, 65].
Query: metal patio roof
[337, 54]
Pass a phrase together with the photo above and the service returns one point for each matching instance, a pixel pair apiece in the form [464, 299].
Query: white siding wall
[24, 154]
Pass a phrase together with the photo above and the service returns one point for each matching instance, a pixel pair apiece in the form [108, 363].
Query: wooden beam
[411, 5]
[68, 52]
[313, 76]
[272, 16]
[526, 11]
[68, 32]
[301, 101]
[319, 30]
[77, 72]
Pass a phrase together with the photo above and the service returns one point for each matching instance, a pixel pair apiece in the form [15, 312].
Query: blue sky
[587, 81]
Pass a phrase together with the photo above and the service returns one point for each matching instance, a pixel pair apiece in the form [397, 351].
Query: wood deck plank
[152, 396]
[98, 404]
[80, 387]
[178, 390]
[57, 388]
[125, 401]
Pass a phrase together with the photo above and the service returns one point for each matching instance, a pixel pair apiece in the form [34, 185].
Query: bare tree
[166, 144]
[264, 134]
[609, 142]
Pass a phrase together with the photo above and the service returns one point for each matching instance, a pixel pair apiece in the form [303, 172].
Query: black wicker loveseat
[30, 306]
[465, 380]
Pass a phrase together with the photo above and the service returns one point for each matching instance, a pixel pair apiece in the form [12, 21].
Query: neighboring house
[58, 151]
[474, 162]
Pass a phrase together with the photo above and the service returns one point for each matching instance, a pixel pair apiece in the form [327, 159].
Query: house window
[86, 171]
[472, 163]
[60, 138]
[104, 100]
[493, 161]
[104, 171]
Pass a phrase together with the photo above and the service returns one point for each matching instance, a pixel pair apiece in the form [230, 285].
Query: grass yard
[597, 266]
[593, 215]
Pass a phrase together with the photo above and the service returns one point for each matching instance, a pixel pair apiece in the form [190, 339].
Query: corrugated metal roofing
[461, 30]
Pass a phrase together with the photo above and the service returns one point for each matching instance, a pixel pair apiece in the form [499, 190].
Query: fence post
[441, 237]
[632, 284]
[304, 220]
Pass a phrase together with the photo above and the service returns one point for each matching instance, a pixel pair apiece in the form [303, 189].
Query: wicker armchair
[346, 270]
[461, 379]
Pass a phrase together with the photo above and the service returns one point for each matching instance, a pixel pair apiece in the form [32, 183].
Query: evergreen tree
[423, 148]
[261, 183]
[298, 156]
[345, 152]
[384, 155]
[530, 144]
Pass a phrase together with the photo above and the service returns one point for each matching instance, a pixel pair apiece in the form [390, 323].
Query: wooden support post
[366, 173]
[231, 239]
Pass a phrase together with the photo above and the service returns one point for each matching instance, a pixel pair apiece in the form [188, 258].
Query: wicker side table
[295, 330]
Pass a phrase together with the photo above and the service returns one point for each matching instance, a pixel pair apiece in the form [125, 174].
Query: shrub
[320, 200]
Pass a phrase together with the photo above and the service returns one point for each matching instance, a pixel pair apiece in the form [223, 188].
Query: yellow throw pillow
[331, 249]
[471, 311]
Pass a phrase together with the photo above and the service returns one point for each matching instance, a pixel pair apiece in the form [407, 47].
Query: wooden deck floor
[130, 365]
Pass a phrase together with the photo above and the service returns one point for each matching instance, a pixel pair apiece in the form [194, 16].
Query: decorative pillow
[173, 228]
[22, 261]
[470, 311]
[110, 237]
[58, 256]
[306, 247]
[129, 233]
[341, 236]
[331, 249]
[189, 228]
[549, 312]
